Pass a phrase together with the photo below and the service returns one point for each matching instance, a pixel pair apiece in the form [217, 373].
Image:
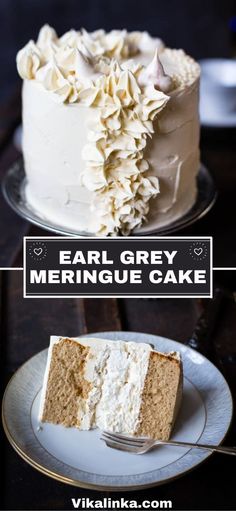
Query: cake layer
[161, 396]
[65, 383]
[117, 386]
[110, 124]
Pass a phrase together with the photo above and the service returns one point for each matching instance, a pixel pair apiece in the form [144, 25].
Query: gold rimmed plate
[80, 458]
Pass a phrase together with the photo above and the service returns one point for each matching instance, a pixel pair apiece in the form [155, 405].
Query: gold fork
[141, 445]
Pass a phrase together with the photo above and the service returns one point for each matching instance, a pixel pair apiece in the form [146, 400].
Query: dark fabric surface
[201, 28]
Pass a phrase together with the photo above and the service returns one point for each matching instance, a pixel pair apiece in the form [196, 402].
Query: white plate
[82, 459]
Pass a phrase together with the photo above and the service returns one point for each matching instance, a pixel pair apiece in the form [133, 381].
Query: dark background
[200, 27]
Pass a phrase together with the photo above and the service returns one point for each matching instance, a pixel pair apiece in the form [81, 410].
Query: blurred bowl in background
[17, 138]
[218, 92]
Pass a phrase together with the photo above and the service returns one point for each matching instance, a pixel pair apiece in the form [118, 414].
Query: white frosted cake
[110, 130]
[118, 386]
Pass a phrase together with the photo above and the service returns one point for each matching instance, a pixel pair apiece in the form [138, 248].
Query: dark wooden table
[218, 154]
[25, 329]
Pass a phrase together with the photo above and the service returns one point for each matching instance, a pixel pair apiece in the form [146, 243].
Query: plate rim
[94, 486]
[34, 218]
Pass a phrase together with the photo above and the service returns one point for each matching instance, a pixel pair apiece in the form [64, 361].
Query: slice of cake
[119, 386]
[110, 130]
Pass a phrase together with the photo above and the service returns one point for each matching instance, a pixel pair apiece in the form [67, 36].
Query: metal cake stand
[14, 184]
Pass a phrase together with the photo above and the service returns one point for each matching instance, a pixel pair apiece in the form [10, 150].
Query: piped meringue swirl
[115, 167]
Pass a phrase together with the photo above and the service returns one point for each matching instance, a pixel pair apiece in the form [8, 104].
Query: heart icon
[38, 251]
[198, 251]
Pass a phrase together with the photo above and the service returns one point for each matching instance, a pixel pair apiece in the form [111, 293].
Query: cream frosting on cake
[110, 130]
[91, 383]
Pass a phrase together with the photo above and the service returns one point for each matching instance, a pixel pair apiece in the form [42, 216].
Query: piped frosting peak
[28, 61]
[154, 73]
[86, 54]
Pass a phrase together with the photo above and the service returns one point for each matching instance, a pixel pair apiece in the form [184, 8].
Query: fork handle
[213, 448]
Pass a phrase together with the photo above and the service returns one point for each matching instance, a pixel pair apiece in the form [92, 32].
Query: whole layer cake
[110, 130]
[118, 386]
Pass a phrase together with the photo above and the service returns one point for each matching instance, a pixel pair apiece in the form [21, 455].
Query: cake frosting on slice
[118, 386]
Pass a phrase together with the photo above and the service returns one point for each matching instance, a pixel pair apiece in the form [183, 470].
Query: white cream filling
[117, 371]
[121, 393]
[94, 371]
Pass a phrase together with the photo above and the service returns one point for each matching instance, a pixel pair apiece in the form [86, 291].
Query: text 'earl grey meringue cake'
[110, 130]
[118, 386]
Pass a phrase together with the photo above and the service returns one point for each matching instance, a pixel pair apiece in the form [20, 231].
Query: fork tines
[123, 439]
